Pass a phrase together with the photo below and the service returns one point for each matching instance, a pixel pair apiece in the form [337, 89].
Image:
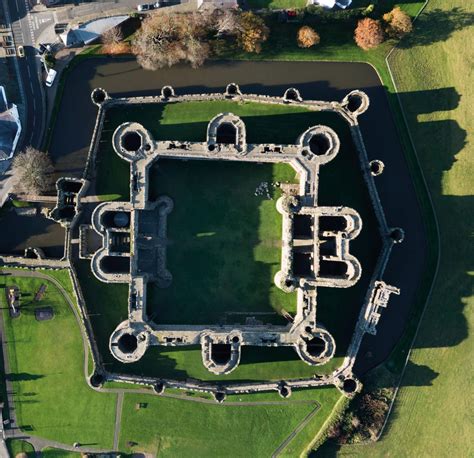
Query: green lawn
[433, 410]
[224, 243]
[16, 446]
[50, 452]
[223, 235]
[51, 398]
[222, 430]
[276, 4]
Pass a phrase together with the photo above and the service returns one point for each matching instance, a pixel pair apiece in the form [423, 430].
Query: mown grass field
[225, 241]
[433, 410]
[51, 452]
[51, 397]
[224, 430]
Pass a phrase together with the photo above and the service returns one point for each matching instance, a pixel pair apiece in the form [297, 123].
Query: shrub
[372, 410]
[398, 23]
[369, 9]
[112, 36]
[49, 60]
[329, 16]
[368, 33]
[252, 32]
[307, 37]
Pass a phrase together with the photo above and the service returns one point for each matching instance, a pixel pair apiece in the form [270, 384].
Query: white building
[331, 3]
[10, 127]
[90, 31]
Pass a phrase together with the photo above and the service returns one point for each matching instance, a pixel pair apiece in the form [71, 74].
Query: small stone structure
[69, 191]
[379, 297]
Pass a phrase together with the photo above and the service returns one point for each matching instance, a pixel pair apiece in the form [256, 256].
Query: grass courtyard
[225, 242]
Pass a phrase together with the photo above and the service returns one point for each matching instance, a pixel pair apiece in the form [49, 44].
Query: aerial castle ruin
[315, 253]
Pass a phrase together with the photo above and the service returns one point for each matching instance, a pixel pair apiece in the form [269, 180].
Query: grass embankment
[241, 243]
[433, 410]
[51, 397]
[337, 39]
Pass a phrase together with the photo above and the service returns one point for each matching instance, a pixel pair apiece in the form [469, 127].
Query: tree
[398, 23]
[307, 37]
[166, 39]
[226, 22]
[368, 33]
[49, 60]
[33, 169]
[252, 32]
[372, 410]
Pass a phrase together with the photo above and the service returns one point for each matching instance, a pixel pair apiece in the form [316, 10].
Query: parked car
[51, 77]
[42, 49]
[145, 7]
[21, 51]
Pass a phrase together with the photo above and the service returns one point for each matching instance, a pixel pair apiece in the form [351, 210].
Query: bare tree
[166, 39]
[112, 36]
[197, 51]
[33, 169]
[226, 22]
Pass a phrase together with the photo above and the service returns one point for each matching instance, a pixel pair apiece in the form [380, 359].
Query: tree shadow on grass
[437, 26]
[22, 377]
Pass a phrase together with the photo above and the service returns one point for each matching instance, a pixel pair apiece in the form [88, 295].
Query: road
[33, 24]
[30, 72]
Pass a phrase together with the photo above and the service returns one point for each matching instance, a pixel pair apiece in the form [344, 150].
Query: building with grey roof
[10, 127]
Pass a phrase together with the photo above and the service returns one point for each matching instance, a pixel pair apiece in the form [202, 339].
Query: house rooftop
[10, 127]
